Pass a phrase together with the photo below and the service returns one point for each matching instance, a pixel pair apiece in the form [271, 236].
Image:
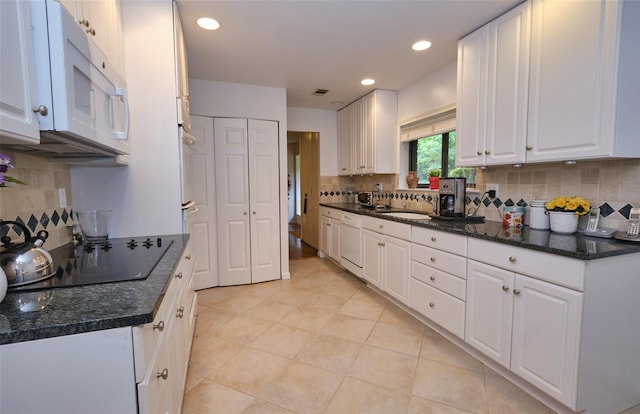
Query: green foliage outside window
[426, 155]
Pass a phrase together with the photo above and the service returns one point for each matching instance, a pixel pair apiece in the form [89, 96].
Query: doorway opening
[303, 178]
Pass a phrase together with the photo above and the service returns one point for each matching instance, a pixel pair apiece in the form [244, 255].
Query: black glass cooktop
[115, 261]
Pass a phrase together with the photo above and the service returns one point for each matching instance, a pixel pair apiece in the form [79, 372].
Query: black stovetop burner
[116, 260]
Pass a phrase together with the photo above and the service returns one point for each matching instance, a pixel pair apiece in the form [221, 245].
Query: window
[432, 146]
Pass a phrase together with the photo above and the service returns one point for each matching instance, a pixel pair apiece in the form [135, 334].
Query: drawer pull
[516, 292]
[381, 226]
[512, 259]
[188, 257]
[433, 259]
[164, 374]
[433, 239]
[432, 278]
[505, 288]
[180, 312]
[432, 305]
[159, 326]
[179, 275]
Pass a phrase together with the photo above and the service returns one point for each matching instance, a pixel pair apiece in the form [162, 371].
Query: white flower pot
[563, 222]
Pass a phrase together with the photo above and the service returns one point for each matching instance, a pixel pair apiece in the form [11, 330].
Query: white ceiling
[305, 45]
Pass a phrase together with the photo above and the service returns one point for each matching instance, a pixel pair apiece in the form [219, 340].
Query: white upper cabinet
[18, 121]
[493, 66]
[584, 94]
[368, 135]
[101, 20]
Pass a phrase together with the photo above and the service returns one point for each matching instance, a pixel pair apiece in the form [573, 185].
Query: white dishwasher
[351, 242]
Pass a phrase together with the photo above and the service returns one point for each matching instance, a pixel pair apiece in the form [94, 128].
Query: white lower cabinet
[387, 256]
[330, 232]
[438, 272]
[529, 326]
[162, 348]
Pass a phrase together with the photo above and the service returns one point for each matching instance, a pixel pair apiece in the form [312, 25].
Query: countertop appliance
[365, 198]
[351, 242]
[452, 193]
[116, 260]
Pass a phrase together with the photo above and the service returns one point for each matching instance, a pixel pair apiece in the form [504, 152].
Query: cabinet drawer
[330, 212]
[146, 338]
[452, 243]
[438, 259]
[350, 219]
[552, 268]
[388, 227]
[447, 283]
[153, 390]
[443, 309]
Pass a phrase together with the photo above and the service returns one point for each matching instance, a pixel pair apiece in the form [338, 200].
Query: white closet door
[202, 223]
[264, 200]
[232, 186]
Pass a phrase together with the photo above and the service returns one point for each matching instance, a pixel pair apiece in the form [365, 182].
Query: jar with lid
[538, 217]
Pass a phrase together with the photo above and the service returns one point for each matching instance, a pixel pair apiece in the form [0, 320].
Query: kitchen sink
[408, 216]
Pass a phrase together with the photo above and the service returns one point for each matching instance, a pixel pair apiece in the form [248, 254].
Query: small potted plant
[434, 178]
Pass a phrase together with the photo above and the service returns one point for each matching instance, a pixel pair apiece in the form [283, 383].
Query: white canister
[538, 217]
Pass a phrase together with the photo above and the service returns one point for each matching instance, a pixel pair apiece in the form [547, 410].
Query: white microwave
[85, 113]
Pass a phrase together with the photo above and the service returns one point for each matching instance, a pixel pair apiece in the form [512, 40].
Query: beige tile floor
[323, 342]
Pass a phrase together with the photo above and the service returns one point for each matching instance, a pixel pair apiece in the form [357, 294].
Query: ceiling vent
[320, 92]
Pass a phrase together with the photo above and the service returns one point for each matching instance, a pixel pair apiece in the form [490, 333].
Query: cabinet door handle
[432, 278]
[188, 257]
[159, 326]
[529, 147]
[84, 22]
[487, 152]
[479, 153]
[516, 292]
[505, 288]
[433, 239]
[179, 275]
[432, 305]
[433, 259]
[180, 312]
[164, 374]
[42, 110]
[512, 259]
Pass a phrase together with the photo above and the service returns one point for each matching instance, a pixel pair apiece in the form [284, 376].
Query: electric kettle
[27, 262]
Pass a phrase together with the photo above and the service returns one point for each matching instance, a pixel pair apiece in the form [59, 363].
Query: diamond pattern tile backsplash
[36, 204]
[613, 186]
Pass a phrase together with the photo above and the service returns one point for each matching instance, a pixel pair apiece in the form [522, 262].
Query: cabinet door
[345, 141]
[18, 122]
[334, 245]
[472, 91]
[546, 336]
[396, 261]
[507, 89]
[264, 199]
[232, 201]
[325, 235]
[372, 257]
[573, 55]
[489, 311]
[366, 156]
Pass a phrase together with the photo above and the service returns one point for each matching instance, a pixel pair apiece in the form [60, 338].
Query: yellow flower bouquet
[575, 204]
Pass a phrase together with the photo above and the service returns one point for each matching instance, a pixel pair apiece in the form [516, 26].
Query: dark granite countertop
[72, 310]
[577, 246]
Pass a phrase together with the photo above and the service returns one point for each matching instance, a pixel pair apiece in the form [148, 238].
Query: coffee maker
[451, 196]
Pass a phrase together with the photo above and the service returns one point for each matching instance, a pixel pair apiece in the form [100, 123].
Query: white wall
[145, 196]
[427, 94]
[224, 99]
[326, 123]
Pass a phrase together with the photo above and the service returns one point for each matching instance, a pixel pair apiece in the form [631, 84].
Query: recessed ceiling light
[367, 82]
[208, 23]
[421, 45]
